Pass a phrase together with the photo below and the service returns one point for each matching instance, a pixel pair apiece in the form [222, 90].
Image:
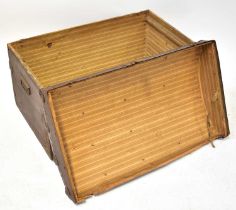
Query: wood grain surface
[113, 100]
[80, 51]
[115, 125]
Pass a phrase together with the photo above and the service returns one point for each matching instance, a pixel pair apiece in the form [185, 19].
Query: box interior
[118, 126]
[81, 51]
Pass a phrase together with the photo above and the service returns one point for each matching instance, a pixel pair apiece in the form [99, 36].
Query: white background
[204, 180]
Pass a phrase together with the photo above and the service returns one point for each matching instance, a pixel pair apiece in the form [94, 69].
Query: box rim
[122, 66]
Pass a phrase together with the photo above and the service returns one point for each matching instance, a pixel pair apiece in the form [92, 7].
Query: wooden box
[113, 100]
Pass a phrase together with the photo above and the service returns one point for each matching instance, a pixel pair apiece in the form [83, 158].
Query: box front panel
[118, 124]
[122, 124]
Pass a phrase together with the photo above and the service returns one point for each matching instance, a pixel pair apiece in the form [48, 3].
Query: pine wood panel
[62, 56]
[115, 125]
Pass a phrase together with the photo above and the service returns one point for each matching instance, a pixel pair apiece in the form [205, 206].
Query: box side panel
[29, 102]
[119, 125]
[63, 56]
[172, 34]
[156, 42]
[212, 92]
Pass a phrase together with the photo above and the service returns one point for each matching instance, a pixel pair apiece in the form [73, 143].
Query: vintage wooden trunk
[113, 100]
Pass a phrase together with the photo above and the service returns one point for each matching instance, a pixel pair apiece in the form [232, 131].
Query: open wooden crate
[112, 100]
